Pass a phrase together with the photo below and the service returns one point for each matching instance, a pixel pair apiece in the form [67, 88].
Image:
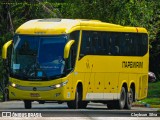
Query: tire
[77, 103]
[129, 99]
[73, 104]
[121, 102]
[118, 104]
[27, 104]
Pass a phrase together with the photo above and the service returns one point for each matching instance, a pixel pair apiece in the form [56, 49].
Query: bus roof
[64, 26]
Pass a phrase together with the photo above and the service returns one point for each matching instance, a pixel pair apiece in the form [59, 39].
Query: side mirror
[5, 48]
[67, 48]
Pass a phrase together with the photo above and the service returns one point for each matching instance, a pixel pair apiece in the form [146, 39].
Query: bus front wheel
[77, 102]
[27, 104]
[74, 103]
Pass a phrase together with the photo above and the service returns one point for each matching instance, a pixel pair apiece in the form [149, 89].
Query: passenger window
[112, 43]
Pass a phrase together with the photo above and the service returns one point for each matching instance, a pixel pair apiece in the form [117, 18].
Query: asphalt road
[94, 111]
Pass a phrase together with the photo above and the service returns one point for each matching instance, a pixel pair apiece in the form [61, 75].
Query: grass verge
[153, 98]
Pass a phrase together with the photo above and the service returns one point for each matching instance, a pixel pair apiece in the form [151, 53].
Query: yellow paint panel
[99, 83]
[63, 26]
[111, 82]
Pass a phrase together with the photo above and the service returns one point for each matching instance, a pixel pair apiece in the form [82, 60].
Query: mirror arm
[67, 48]
[4, 49]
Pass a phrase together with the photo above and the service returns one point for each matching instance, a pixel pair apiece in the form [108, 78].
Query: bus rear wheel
[121, 102]
[129, 99]
[27, 104]
[118, 104]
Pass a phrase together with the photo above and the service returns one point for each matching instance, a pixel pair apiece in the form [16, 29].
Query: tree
[143, 13]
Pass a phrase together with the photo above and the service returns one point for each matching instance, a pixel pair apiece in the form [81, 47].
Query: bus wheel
[118, 104]
[27, 104]
[77, 102]
[121, 102]
[73, 104]
[129, 99]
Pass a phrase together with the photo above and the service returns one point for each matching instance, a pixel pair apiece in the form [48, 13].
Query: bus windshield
[38, 57]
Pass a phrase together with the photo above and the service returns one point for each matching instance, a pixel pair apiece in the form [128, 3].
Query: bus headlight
[59, 85]
[13, 85]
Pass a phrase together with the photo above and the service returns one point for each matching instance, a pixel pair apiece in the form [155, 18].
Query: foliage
[153, 94]
[143, 13]
[154, 90]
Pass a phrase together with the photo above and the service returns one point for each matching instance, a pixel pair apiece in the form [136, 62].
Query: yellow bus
[78, 61]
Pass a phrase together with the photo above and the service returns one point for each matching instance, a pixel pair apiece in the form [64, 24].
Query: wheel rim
[122, 98]
[77, 97]
[130, 97]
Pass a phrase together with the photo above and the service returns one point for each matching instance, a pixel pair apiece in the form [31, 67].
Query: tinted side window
[143, 42]
[85, 43]
[133, 44]
[140, 44]
[75, 36]
[93, 43]
[113, 43]
[73, 51]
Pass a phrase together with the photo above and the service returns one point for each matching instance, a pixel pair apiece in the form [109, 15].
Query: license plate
[35, 95]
